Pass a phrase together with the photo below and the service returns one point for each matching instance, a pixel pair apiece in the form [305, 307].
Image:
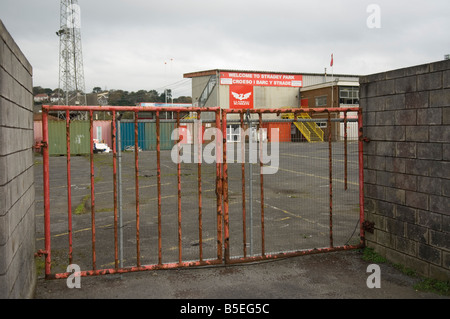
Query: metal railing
[218, 219]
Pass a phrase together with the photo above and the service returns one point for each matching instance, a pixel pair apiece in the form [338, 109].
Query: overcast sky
[144, 44]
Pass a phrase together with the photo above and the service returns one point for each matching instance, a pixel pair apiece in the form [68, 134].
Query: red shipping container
[284, 131]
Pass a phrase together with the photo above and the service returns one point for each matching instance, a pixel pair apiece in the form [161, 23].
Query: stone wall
[406, 116]
[17, 217]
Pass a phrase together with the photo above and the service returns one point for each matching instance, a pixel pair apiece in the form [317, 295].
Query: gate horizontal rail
[221, 185]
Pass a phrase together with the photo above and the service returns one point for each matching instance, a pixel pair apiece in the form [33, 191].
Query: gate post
[225, 189]
[361, 177]
[219, 186]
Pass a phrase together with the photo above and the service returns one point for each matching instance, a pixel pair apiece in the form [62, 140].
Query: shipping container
[127, 135]
[284, 130]
[165, 129]
[79, 137]
[103, 132]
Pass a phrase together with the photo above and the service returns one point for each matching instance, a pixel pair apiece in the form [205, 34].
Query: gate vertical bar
[199, 182]
[91, 130]
[263, 249]
[250, 178]
[345, 151]
[158, 169]
[361, 177]
[180, 260]
[219, 163]
[244, 226]
[69, 188]
[225, 189]
[119, 188]
[116, 248]
[136, 169]
[330, 165]
[46, 175]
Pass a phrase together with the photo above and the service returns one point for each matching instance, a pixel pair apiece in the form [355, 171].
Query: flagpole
[332, 80]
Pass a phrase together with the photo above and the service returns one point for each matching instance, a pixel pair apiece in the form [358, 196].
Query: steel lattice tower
[71, 71]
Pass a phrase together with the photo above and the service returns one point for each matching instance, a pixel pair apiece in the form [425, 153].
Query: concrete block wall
[17, 216]
[406, 116]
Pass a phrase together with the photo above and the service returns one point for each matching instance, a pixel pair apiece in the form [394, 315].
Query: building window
[99, 134]
[321, 100]
[233, 133]
[349, 95]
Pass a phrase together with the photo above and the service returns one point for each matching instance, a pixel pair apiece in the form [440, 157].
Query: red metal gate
[221, 183]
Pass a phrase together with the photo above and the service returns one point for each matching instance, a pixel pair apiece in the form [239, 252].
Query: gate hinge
[365, 139]
[41, 253]
[368, 226]
[40, 145]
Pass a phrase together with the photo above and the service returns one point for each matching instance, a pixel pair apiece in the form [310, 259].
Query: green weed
[425, 284]
[433, 285]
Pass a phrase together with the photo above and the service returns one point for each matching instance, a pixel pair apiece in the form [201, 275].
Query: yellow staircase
[189, 116]
[310, 130]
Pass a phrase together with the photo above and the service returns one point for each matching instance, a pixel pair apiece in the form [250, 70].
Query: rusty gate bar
[330, 165]
[91, 131]
[199, 181]
[179, 190]
[244, 218]
[219, 185]
[158, 170]
[69, 188]
[136, 176]
[116, 243]
[261, 176]
[345, 151]
[226, 242]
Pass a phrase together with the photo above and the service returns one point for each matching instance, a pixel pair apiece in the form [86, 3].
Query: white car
[101, 148]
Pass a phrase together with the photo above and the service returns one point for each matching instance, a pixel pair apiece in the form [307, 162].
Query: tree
[153, 96]
[183, 99]
[125, 98]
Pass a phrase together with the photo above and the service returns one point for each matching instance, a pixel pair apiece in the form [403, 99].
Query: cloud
[126, 44]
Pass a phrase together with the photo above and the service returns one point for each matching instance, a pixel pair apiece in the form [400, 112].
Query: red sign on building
[242, 84]
[241, 97]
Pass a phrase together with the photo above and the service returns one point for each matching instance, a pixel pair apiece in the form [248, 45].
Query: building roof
[330, 84]
[215, 71]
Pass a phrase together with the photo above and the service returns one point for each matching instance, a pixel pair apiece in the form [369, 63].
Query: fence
[204, 201]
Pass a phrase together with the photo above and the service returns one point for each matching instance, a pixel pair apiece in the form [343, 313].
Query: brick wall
[17, 219]
[407, 166]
